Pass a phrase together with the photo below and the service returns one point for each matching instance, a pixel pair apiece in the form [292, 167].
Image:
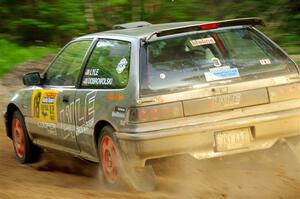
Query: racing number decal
[43, 105]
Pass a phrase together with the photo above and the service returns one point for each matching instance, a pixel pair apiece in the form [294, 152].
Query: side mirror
[31, 79]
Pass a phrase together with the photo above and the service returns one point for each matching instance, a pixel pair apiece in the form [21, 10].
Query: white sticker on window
[222, 68]
[265, 61]
[91, 72]
[121, 65]
[204, 41]
[216, 62]
[162, 75]
[97, 81]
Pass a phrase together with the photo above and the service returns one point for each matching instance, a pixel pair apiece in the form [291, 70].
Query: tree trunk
[136, 10]
[89, 15]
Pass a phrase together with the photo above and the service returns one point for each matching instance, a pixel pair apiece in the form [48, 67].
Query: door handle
[65, 99]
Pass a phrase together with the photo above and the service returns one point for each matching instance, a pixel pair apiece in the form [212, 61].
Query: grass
[12, 54]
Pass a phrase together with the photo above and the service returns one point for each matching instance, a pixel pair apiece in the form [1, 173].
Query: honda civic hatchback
[143, 92]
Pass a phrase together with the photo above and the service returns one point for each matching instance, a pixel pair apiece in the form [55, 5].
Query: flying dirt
[272, 173]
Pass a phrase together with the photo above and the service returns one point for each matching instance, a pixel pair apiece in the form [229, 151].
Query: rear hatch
[215, 70]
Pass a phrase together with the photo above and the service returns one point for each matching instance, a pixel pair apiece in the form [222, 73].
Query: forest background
[31, 29]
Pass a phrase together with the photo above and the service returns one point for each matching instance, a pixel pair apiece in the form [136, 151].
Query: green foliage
[57, 21]
[46, 20]
[282, 17]
[12, 54]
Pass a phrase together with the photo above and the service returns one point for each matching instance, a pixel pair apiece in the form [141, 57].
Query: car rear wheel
[109, 158]
[25, 151]
[116, 171]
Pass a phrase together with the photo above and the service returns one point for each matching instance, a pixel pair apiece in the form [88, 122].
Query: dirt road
[274, 173]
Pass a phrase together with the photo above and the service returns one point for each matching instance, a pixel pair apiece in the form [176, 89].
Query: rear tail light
[208, 26]
[155, 112]
[286, 92]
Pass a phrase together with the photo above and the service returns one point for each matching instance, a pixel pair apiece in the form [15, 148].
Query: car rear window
[209, 57]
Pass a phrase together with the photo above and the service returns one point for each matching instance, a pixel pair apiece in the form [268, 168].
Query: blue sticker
[224, 73]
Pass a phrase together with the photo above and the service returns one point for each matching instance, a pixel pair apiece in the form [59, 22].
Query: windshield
[209, 57]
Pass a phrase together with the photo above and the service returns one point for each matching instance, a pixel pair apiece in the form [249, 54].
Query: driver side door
[53, 102]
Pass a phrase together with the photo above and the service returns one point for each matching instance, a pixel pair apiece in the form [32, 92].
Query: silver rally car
[142, 92]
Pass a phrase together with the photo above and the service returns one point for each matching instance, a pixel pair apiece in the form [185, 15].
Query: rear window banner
[44, 105]
[202, 42]
[219, 74]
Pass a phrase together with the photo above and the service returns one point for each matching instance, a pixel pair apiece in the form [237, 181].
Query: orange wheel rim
[18, 138]
[109, 159]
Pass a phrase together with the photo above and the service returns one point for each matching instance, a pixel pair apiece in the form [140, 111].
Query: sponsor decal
[43, 105]
[82, 112]
[121, 65]
[265, 61]
[119, 112]
[220, 73]
[228, 100]
[120, 109]
[162, 76]
[115, 97]
[91, 72]
[216, 62]
[51, 128]
[202, 42]
[222, 68]
[97, 81]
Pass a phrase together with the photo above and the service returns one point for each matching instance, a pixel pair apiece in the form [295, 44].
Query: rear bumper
[199, 140]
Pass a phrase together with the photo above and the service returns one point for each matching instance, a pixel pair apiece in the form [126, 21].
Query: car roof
[145, 31]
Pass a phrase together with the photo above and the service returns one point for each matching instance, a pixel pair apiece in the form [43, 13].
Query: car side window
[108, 66]
[66, 67]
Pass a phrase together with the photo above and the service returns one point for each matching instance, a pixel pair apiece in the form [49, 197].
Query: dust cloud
[272, 173]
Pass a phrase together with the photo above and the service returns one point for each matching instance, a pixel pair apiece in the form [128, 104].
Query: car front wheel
[25, 151]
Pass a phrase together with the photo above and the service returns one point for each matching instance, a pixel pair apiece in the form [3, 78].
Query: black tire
[139, 179]
[25, 150]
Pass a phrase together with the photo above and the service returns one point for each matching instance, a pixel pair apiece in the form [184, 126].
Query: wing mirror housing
[32, 79]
